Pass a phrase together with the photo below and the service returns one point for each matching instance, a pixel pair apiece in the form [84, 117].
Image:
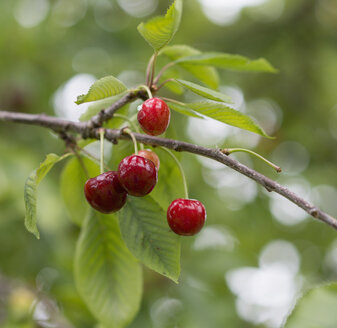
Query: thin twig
[113, 135]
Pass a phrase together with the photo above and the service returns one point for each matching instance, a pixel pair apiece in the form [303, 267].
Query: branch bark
[90, 129]
[106, 114]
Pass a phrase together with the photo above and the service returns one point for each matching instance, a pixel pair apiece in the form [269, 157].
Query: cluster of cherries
[137, 175]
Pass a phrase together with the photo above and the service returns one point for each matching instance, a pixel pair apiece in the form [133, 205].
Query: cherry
[154, 116]
[186, 217]
[105, 193]
[137, 175]
[152, 156]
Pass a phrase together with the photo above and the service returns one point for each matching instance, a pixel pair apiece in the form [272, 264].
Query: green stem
[101, 135]
[229, 151]
[180, 169]
[129, 132]
[147, 90]
[132, 123]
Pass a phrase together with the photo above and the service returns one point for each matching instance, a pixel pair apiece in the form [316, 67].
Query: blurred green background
[257, 251]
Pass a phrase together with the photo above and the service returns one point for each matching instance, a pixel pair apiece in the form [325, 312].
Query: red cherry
[152, 156]
[137, 175]
[105, 193]
[154, 117]
[186, 217]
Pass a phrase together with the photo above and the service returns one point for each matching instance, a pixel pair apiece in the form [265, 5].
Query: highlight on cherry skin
[151, 155]
[154, 116]
[137, 175]
[105, 193]
[186, 217]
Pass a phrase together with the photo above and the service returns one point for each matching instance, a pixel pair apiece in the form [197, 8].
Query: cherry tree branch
[106, 114]
[91, 129]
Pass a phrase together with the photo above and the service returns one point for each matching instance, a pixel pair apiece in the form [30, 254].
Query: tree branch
[106, 114]
[89, 130]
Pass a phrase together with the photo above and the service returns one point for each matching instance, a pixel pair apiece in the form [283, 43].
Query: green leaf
[103, 88]
[107, 276]
[72, 182]
[159, 31]
[205, 92]
[228, 115]
[183, 110]
[173, 86]
[119, 151]
[116, 122]
[147, 235]
[99, 105]
[228, 61]
[30, 190]
[170, 184]
[316, 309]
[205, 74]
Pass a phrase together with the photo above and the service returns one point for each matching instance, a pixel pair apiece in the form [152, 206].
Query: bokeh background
[258, 252]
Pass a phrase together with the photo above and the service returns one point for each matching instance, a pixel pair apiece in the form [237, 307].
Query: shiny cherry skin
[154, 116]
[151, 155]
[186, 217]
[137, 175]
[105, 193]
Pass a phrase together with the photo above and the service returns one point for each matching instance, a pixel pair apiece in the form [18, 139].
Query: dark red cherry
[152, 156]
[105, 193]
[186, 217]
[154, 116]
[137, 175]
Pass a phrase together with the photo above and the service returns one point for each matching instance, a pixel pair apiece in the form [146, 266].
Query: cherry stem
[162, 71]
[131, 122]
[180, 169]
[101, 136]
[228, 151]
[129, 132]
[149, 93]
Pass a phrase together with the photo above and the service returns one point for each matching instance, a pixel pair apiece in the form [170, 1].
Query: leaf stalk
[228, 151]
